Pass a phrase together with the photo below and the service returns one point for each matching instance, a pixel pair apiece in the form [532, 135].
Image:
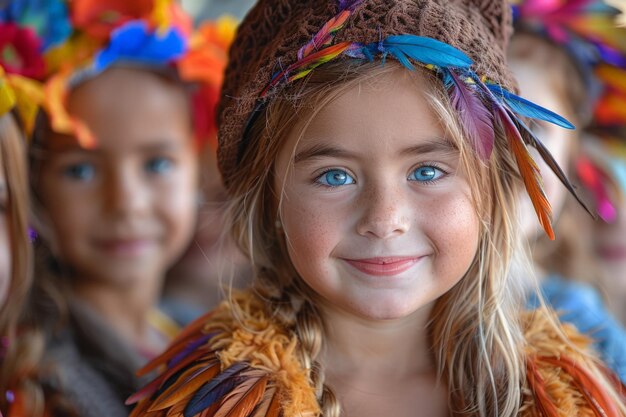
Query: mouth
[612, 253]
[388, 266]
[125, 247]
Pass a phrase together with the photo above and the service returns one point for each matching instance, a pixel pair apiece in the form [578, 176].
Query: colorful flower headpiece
[63, 43]
[589, 30]
[480, 104]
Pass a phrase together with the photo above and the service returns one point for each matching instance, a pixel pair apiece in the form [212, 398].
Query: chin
[385, 309]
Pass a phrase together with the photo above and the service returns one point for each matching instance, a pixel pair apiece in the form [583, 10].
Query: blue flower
[49, 19]
[136, 42]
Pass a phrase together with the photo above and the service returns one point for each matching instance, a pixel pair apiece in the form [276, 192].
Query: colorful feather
[214, 390]
[242, 400]
[420, 49]
[597, 398]
[269, 406]
[594, 180]
[536, 384]
[188, 383]
[529, 171]
[526, 108]
[532, 140]
[325, 36]
[476, 120]
[304, 66]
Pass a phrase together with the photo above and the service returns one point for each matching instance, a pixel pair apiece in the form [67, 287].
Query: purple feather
[349, 4]
[188, 349]
[476, 120]
[215, 389]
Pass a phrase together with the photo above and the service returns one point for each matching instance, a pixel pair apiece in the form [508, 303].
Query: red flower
[20, 51]
[99, 17]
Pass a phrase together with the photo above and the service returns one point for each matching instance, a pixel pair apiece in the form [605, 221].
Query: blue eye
[426, 173]
[159, 165]
[335, 178]
[80, 172]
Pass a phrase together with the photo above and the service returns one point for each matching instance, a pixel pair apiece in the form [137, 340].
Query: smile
[384, 266]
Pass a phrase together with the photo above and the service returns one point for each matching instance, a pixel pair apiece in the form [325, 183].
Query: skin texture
[123, 212]
[380, 211]
[537, 86]
[5, 238]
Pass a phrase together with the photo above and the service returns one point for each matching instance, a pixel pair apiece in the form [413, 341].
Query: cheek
[451, 224]
[312, 227]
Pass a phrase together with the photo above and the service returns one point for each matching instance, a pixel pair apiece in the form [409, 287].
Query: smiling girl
[373, 169]
[114, 183]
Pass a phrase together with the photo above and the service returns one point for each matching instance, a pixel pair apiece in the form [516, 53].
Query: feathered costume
[238, 362]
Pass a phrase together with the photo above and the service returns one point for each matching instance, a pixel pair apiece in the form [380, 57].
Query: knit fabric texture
[271, 34]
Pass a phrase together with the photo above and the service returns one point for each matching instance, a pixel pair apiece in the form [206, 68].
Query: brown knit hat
[274, 30]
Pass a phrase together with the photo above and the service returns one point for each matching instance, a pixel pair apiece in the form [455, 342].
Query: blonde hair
[474, 328]
[20, 364]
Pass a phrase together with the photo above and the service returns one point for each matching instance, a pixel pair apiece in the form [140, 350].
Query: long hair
[19, 366]
[475, 330]
[474, 327]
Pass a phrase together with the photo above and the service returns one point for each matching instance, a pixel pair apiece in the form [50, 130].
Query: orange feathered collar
[236, 361]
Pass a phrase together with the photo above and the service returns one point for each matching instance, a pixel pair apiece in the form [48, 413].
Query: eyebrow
[324, 150]
[150, 147]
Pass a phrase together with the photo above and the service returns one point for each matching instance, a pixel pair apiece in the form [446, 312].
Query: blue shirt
[580, 305]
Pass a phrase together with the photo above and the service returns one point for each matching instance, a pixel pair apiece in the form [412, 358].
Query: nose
[124, 192]
[385, 212]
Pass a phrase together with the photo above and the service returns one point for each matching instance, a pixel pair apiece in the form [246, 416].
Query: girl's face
[5, 238]
[124, 211]
[376, 209]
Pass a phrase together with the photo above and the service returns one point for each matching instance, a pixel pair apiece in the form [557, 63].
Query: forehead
[124, 105]
[388, 111]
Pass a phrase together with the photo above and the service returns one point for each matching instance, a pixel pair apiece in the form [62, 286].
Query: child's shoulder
[563, 376]
[235, 359]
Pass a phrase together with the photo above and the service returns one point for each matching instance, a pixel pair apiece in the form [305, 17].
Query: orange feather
[529, 172]
[543, 401]
[187, 384]
[598, 400]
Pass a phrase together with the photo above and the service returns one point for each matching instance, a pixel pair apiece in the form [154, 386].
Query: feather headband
[70, 42]
[480, 104]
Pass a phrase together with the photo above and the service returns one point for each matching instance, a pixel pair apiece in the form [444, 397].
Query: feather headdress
[69, 42]
[482, 106]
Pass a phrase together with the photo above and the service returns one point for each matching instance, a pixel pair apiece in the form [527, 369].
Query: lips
[612, 253]
[388, 266]
[126, 247]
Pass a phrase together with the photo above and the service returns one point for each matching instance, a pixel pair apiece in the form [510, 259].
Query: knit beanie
[463, 41]
[274, 31]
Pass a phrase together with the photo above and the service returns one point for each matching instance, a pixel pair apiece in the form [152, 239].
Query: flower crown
[61, 43]
[480, 104]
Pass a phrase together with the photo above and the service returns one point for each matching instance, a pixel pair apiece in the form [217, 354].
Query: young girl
[566, 87]
[379, 216]
[114, 179]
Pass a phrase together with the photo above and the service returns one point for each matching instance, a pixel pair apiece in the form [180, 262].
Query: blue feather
[214, 390]
[424, 50]
[526, 108]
